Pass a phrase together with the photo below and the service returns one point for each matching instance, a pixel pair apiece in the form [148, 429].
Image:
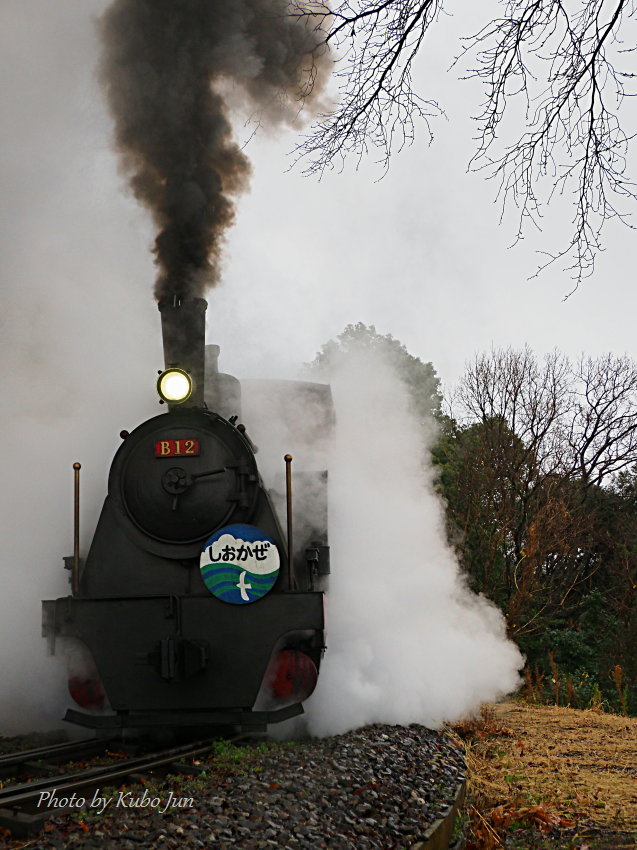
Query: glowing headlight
[174, 386]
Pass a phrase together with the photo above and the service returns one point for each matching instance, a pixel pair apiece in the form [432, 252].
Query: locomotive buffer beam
[236, 718]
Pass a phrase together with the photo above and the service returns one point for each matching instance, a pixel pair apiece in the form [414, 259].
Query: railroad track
[25, 807]
[43, 760]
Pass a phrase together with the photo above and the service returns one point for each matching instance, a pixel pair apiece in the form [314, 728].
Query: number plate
[176, 448]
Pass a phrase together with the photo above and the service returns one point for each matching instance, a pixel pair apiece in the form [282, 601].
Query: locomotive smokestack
[183, 329]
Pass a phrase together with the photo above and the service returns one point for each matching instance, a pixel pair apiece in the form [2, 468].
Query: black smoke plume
[165, 66]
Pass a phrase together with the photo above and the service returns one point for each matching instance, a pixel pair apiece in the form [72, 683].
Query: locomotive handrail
[288, 500]
[75, 572]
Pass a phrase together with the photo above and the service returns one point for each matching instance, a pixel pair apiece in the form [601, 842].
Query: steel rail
[19, 795]
[64, 749]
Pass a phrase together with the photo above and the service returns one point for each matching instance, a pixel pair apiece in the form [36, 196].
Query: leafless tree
[602, 435]
[510, 387]
[538, 441]
[576, 421]
[564, 58]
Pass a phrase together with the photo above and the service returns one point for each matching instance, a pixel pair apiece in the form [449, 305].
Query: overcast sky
[420, 254]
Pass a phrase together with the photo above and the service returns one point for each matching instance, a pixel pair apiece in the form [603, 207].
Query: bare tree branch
[556, 55]
[562, 59]
[579, 421]
[375, 45]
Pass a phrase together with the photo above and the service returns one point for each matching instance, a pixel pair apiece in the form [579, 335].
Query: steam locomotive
[193, 608]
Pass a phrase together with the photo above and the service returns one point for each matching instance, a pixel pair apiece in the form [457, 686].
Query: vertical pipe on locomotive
[75, 570]
[288, 501]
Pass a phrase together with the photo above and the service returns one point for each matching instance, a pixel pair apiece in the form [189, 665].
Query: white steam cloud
[407, 641]
[79, 345]
[80, 339]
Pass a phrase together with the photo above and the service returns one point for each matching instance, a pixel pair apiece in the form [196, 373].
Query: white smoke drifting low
[79, 344]
[407, 641]
[80, 338]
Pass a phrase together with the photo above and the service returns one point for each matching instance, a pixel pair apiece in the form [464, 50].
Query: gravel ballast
[376, 787]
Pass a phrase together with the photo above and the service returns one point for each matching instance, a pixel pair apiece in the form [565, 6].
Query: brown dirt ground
[547, 776]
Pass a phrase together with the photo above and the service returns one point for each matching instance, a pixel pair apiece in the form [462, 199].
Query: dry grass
[553, 769]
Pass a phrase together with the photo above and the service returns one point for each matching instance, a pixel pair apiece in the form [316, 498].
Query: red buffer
[291, 676]
[87, 691]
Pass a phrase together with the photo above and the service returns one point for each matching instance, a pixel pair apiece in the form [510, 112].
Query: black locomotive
[190, 611]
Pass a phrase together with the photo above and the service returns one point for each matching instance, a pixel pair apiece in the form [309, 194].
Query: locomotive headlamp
[174, 386]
